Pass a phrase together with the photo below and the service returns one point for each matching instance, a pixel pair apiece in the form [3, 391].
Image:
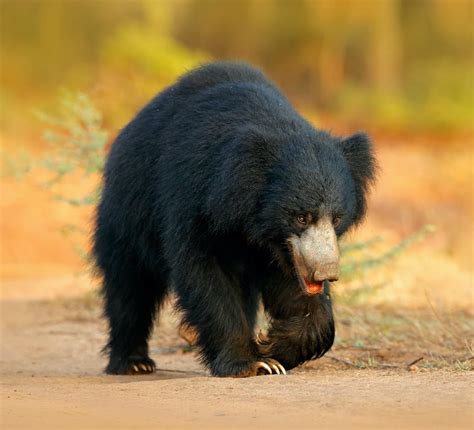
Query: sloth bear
[220, 191]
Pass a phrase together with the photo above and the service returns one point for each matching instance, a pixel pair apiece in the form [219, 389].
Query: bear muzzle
[316, 256]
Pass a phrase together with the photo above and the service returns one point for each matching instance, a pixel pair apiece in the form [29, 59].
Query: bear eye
[336, 220]
[303, 219]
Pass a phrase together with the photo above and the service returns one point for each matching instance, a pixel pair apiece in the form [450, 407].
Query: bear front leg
[302, 326]
[211, 300]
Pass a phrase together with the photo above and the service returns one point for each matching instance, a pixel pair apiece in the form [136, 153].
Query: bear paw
[266, 366]
[269, 366]
[131, 366]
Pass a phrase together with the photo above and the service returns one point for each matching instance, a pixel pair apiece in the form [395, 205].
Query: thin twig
[414, 362]
[341, 360]
[444, 325]
[468, 358]
[350, 363]
[185, 372]
[387, 365]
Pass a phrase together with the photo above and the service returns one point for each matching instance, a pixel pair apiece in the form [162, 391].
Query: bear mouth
[310, 288]
[313, 288]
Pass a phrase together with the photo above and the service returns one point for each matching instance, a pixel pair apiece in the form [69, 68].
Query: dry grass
[379, 337]
[368, 337]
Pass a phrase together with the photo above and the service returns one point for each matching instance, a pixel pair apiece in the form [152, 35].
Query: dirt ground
[51, 378]
[52, 333]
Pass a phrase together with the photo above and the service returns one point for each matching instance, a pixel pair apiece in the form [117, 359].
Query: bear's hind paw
[131, 366]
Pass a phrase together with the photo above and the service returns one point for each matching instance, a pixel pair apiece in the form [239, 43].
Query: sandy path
[308, 399]
[51, 378]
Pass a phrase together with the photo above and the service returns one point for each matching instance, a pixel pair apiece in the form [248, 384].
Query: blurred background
[396, 65]
[74, 72]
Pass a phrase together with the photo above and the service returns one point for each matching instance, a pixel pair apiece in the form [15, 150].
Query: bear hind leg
[131, 298]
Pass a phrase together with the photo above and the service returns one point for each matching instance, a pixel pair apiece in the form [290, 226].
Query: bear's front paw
[265, 366]
[134, 365]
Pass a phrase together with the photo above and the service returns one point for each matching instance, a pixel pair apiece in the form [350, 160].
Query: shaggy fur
[201, 191]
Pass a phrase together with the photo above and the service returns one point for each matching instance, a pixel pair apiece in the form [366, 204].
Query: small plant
[361, 256]
[353, 265]
[77, 143]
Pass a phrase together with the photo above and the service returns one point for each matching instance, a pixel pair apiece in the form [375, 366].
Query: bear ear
[359, 154]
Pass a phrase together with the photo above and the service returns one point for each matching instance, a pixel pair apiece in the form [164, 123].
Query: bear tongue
[314, 288]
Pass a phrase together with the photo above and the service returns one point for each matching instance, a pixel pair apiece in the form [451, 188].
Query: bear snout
[326, 272]
[316, 253]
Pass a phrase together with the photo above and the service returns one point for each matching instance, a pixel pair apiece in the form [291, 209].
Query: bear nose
[326, 272]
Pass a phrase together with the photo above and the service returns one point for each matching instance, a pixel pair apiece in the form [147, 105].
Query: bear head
[295, 194]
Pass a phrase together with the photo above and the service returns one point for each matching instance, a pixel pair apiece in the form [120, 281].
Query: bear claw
[131, 366]
[141, 368]
[145, 367]
[271, 366]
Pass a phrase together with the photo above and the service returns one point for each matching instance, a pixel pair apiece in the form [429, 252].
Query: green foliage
[360, 257]
[153, 55]
[76, 142]
[76, 148]
[392, 64]
[138, 59]
[15, 165]
[436, 97]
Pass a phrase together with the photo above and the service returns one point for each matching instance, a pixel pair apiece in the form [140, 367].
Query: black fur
[200, 192]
